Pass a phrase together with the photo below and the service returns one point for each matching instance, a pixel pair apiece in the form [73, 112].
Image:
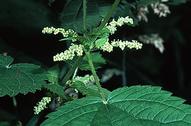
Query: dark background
[21, 23]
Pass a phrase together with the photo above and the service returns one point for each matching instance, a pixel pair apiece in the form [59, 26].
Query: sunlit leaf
[129, 106]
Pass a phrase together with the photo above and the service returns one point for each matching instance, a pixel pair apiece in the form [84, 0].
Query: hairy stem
[109, 14]
[84, 14]
[95, 75]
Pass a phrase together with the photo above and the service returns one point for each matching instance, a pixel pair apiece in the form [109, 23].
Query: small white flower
[87, 79]
[107, 47]
[153, 39]
[112, 26]
[42, 105]
[128, 20]
[65, 33]
[142, 13]
[160, 9]
[70, 53]
[122, 44]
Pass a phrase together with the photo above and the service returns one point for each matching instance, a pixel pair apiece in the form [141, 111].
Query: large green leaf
[129, 106]
[18, 78]
[72, 13]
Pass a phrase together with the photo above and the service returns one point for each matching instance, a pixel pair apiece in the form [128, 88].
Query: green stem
[75, 73]
[109, 14]
[71, 71]
[97, 81]
[84, 14]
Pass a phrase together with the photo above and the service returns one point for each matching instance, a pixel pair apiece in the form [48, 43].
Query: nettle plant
[126, 106]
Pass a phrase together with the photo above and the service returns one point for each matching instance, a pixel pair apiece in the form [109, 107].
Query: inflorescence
[153, 39]
[77, 50]
[87, 79]
[70, 53]
[159, 8]
[112, 26]
[42, 105]
[121, 44]
[66, 33]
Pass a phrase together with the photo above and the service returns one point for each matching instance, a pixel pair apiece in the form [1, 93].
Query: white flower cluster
[87, 79]
[65, 33]
[142, 13]
[121, 44]
[42, 105]
[153, 39]
[160, 9]
[70, 53]
[112, 26]
[107, 47]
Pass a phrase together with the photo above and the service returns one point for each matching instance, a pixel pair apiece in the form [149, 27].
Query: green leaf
[19, 78]
[97, 59]
[88, 89]
[129, 106]
[100, 42]
[53, 78]
[71, 15]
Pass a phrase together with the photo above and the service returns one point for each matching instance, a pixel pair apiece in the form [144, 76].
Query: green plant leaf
[129, 106]
[53, 81]
[97, 59]
[88, 89]
[71, 16]
[19, 78]
[100, 42]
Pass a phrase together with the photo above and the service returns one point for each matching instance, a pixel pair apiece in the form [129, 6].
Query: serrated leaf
[97, 60]
[53, 79]
[129, 106]
[88, 89]
[18, 78]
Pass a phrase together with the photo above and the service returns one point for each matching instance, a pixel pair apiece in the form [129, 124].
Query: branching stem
[95, 75]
